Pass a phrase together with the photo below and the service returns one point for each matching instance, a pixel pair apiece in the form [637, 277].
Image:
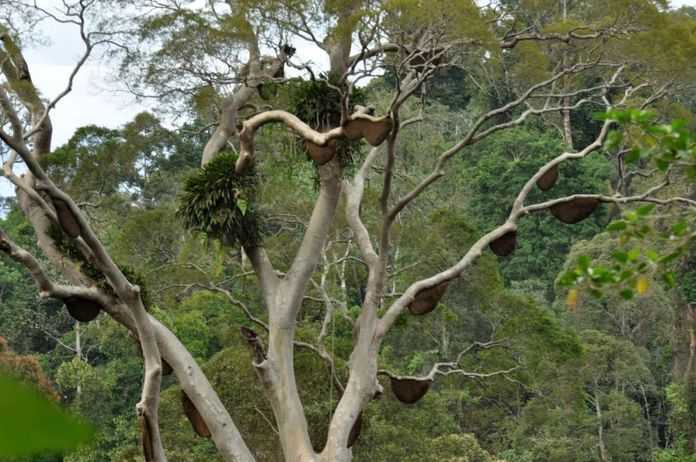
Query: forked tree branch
[445, 368]
[519, 210]
[47, 288]
[18, 75]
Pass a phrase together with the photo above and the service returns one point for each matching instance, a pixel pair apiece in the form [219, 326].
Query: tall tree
[233, 55]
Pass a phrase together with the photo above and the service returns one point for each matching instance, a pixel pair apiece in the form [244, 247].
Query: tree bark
[684, 363]
[567, 127]
[603, 454]
[225, 434]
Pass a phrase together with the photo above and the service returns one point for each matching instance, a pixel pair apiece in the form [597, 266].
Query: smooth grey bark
[225, 434]
[284, 300]
[601, 444]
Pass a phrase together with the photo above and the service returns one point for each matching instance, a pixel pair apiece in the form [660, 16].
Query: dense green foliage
[567, 360]
[221, 203]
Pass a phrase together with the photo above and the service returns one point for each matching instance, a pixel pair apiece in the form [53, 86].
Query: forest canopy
[370, 230]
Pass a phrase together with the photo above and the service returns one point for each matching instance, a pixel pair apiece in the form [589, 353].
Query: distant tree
[26, 368]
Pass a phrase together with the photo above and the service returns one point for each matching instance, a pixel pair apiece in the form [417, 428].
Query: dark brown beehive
[375, 131]
[82, 309]
[427, 299]
[355, 431]
[505, 244]
[67, 220]
[353, 129]
[197, 422]
[548, 179]
[575, 210]
[409, 391]
[321, 154]
[4, 245]
[146, 438]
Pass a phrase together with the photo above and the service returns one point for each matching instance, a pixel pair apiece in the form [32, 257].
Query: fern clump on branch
[221, 203]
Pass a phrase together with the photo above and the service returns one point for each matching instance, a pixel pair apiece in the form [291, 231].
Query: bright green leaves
[31, 424]
[649, 244]
[627, 116]
[675, 145]
[242, 205]
[633, 264]
[667, 146]
[594, 277]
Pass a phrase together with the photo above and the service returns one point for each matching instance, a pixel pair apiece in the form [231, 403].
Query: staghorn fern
[220, 203]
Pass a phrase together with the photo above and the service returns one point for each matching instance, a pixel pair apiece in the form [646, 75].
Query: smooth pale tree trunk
[684, 362]
[279, 371]
[603, 453]
[78, 353]
[567, 127]
[690, 377]
[194, 383]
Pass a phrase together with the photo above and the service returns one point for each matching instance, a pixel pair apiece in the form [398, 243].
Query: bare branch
[47, 288]
[446, 368]
[579, 33]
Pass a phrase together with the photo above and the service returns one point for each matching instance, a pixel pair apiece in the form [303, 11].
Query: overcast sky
[90, 102]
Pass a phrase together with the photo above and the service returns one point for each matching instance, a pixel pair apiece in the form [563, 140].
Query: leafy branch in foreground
[649, 244]
[31, 424]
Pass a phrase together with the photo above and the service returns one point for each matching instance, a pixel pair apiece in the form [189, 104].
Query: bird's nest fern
[221, 203]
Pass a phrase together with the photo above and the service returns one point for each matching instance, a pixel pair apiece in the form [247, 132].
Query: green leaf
[642, 117]
[31, 424]
[614, 138]
[626, 274]
[584, 262]
[632, 156]
[644, 210]
[633, 254]
[627, 294]
[669, 279]
[242, 204]
[621, 257]
[662, 164]
[618, 225]
[568, 278]
[602, 275]
[679, 229]
[671, 257]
